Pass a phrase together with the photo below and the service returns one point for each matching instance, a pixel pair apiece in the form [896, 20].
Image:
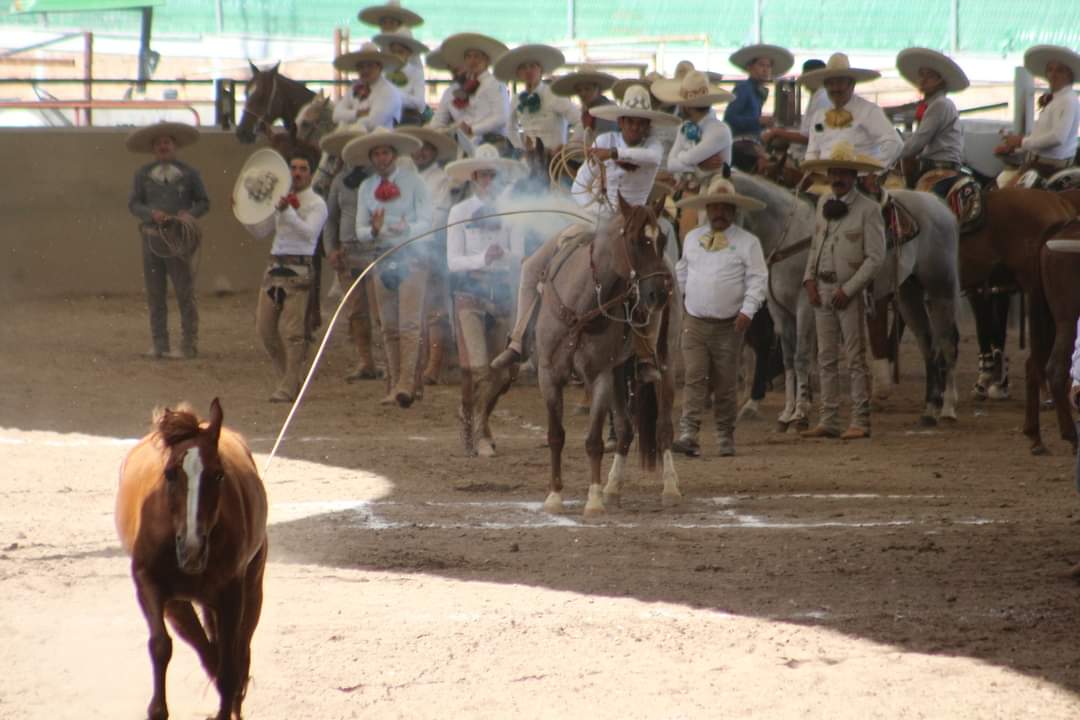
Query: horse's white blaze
[193, 468]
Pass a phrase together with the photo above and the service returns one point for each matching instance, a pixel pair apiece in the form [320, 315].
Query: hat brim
[435, 60]
[442, 142]
[248, 210]
[372, 15]
[826, 165]
[384, 40]
[356, 152]
[349, 62]
[566, 85]
[333, 143]
[455, 47]
[818, 77]
[669, 92]
[700, 202]
[462, 170]
[142, 140]
[614, 112]
[620, 86]
[910, 60]
[1036, 58]
[782, 59]
[549, 59]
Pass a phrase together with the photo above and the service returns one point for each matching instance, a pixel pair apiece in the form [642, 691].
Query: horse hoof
[1039, 449]
[782, 427]
[613, 499]
[553, 503]
[671, 499]
[948, 419]
[802, 424]
[593, 512]
[927, 421]
[997, 392]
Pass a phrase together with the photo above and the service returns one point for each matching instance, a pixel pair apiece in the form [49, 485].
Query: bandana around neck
[714, 241]
[839, 118]
[528, 102]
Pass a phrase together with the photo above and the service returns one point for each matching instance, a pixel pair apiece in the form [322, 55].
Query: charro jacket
[853, 247]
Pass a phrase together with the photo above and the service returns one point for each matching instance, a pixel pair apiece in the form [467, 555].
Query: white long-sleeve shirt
[1055, 130]
[720, 284]
[414, 92]
[870, 133]
[635, 185]
[488, 110]
[296, 230]
[819, 100]
[550, 123]
[438, 185]
[1074, 369]
[467, 243]
[686, 154]
[383, 106]
[412, 208]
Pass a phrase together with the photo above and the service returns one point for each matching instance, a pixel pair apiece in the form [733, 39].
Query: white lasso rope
[356, 283]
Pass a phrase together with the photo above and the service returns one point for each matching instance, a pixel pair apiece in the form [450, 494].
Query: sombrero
[356, 151]
[455, 47]
[694, 90]
[1035, 60]
[843, 156]
[392, 9]
[441, 141]
[260, 184]
[720, 190]
[619, 88]
[486, 158]
[564, 86]
[368, 52]
[637, 103]
[142, 140]
[808, 67]
[838, 66]
[685, 66]
[334, 142]
[435, 60]
[782, 59]
[402, 36]
[909, 61]
[547, 57]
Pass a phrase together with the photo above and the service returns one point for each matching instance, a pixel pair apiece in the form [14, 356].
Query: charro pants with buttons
[279, 321]
[156, 273]
[711, 350]
[842, 330]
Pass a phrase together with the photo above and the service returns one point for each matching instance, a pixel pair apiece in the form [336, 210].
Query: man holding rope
[167, 197]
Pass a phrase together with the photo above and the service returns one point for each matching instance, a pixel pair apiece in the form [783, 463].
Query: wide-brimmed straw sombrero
[843, 156]
[486, 158]
[142, 140]
[263, 180]
[441, 141]
[548, 58]
[910, 60]
[455, 47]
[720, 190]
[374, 14]
[401, 36]
[694, 90]
[356, 152]
[685, 66]
[1036, 58]
[782, 59]
[334, 142]
[565, 86]
[368, 52]
[838, 66]
[636, 102]
[619, 88]
[435, 60]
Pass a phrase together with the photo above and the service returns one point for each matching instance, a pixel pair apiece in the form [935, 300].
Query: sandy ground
[921, 574]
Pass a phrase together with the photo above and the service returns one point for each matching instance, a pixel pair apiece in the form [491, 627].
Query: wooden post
[88, 73]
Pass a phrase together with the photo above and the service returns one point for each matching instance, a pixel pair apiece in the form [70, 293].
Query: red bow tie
[387, 191]
[361, 91]
[920, 110]
[1045, 99]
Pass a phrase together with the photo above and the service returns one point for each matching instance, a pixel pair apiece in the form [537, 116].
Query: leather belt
[1056, 163]
[828, 276]
[940, 165]
[713, 321]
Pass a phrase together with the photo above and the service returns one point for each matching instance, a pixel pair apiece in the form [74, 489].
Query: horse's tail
[647, 400]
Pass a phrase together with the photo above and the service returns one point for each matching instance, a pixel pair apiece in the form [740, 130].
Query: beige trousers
[480, 326]
[279, 322]
[401, 312]
[711, 351]
[842, 330]
[363, 314]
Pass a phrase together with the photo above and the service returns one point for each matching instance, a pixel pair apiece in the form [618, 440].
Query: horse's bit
[260, 118]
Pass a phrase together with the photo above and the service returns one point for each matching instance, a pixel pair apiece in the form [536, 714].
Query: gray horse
[925, 270]
[586, 324]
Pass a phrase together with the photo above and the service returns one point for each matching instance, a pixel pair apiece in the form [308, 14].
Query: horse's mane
[175, 426]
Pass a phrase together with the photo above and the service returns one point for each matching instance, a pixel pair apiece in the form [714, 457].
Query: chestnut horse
[1060, 272]
[191, 512]
[270, 97]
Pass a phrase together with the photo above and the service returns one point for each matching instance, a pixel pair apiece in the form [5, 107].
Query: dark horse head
[270, 96]
[194, 475]
[642, 258]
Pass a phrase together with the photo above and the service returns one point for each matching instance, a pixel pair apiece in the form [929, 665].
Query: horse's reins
[260, 118]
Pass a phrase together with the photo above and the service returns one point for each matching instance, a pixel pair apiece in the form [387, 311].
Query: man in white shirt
[409, 79]
[479, 105]
[537, 113]
[283, 296]
[819, 100]
[374, 101]
[1052, 145]
[393, 205]
[390, 17]
[482, 258]
[631, 159]
[723, 277]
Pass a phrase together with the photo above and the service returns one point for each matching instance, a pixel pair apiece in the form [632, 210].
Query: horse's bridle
[632, 294]
[260, 118]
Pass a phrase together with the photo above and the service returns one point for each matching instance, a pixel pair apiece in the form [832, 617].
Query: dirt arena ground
[922, 574]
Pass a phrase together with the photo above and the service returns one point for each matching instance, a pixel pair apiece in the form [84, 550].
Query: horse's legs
[230, 604]
[760, 337]
[1058, 371]
[788, 340]
[665, 436]
[601, 392]
[914, 313]
[946, 339]
[877, 327]
[1038, 355]
[186, 623]
[160, 644]
[805, 353]
[556, 436]
[624, 434]
[252, 609]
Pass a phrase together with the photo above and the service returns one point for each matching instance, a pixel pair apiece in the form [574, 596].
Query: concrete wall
[66, 229]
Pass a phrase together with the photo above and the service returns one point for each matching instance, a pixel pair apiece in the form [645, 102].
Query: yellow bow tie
[838, 118]
[714, 241]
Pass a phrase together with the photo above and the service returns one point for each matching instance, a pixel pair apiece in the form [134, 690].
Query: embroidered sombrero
[843, 156]
[694, 90]
[142, 140]
[910, 60]
[838, 66]
[637, 103]
[356, 152]
[720, 190]
[486, 158]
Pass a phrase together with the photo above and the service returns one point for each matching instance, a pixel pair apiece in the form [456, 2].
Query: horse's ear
[254, 69]
[624, 207]
[216, 416]
[658, 205]
[273, 70]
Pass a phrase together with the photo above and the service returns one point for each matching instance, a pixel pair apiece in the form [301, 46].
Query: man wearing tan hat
[723, 277]
[1052, 145]
[819, 100]
[348, 256]
[587, 84]
[390, 17]
[703, 145]
[538, 113]
[761, 63]
[393, 205]
[480, 105]
[847, 250]
[409, 79]
[938, 142]
[374, 100]
[167, 191]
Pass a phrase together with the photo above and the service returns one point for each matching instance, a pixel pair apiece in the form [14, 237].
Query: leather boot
[393, 365]
[437, 337]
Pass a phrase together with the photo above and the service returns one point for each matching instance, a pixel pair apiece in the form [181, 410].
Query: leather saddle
[964, 196]
[900, 225]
